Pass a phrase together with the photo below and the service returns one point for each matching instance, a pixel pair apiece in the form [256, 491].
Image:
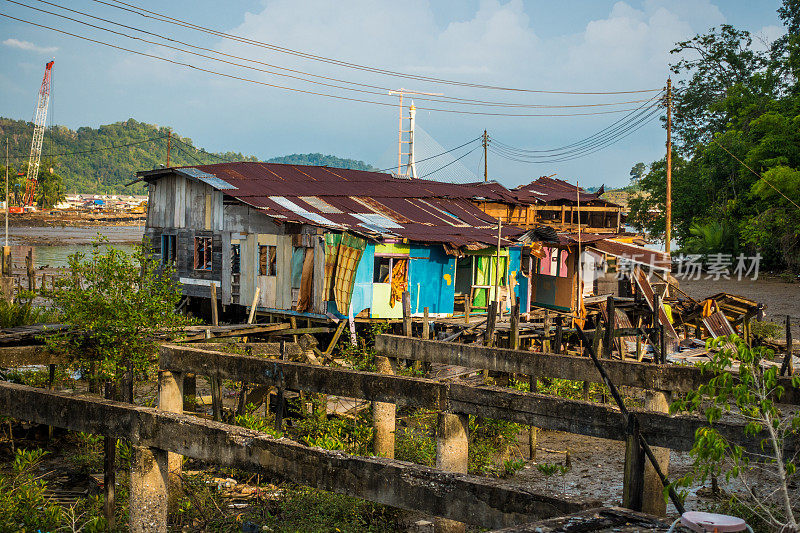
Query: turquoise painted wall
[362, 289]
[430, 279]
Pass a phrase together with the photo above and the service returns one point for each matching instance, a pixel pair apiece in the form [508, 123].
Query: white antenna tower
[411, 166]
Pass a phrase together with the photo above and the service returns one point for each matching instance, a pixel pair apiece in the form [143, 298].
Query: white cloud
[763, 38]
[29, 46]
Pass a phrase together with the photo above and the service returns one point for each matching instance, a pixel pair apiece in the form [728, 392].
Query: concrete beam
[663, 377]
[485, 502]
[387, 388]
[542, 411]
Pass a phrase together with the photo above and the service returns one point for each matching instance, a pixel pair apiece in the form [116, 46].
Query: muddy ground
[780, 297]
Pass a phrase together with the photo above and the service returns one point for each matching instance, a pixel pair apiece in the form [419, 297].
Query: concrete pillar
[653, 499]
[452, 455]
[148, 498]
[170, 398]
[383, 417]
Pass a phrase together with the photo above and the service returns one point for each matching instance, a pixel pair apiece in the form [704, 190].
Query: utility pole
[485, 153]
[668, 232]
[169, 144]
[6, 246]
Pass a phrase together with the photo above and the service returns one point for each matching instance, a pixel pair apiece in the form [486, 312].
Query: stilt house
[319, 242]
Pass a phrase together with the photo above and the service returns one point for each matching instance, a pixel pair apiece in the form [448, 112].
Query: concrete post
[170, 398]
[148, 497]
[452, 455]
[653, 501]
[383, 417]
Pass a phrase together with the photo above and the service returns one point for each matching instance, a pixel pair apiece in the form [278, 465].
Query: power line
[442, 99]
[339, 97]
[588, 150]
[616, 125]
[201, 151]
[171, 20]
[609, 138]
[93, 150]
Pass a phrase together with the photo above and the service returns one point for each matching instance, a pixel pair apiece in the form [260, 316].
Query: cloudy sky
[541, 45]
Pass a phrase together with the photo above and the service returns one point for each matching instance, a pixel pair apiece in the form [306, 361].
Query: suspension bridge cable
[304, 91]
[440, 99]
[450, 163]
[171, 20]
[437, 155]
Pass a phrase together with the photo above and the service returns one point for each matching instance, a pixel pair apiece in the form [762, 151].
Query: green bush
[18, 313]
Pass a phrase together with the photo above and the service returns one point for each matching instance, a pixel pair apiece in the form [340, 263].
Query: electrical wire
[115, 147]
[303, 91]
[587, 151]
[171, 20]
[623, 131]
[611, 127]
[201, 151]
[450, 163]
[384, 90]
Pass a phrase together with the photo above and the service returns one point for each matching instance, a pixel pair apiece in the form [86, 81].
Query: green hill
[102, 160]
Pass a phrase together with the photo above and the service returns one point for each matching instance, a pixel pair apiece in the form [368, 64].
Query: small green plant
[251, 420]
[416, 442]
[489, 440]
[764, 329]
[25, 506]
[22, 313]
[353, 436]
[767, 479]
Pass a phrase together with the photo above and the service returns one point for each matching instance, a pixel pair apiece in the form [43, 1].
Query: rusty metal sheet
[647, 291]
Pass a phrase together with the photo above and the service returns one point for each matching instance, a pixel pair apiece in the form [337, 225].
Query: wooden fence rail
[485, 502]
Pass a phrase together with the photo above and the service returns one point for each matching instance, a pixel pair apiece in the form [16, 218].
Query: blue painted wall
[521, 288]
[428, 268]
[362, 289]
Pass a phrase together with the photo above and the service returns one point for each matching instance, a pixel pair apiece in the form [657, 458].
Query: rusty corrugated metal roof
[371, 203]
[550, 190]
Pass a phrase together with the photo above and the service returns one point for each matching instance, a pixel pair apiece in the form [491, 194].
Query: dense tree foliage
[735, 98]
[104, 159]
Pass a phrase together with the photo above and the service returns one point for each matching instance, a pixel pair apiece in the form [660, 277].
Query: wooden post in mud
[490, 323]
[279, 394]
[30, 270]
[633, 476]
[787, 367]
[407, 313]
[214, 309]
[608, 342]
[559, 335]
[513, 335]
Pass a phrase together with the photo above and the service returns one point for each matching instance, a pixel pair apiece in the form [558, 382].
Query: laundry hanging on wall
[399, 281]
[332, 241]
[349, 255]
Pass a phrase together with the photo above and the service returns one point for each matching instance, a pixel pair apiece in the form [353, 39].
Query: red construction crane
[38, 137]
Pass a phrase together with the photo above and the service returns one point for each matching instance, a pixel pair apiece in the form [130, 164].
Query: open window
[267, 260]
[202, 253]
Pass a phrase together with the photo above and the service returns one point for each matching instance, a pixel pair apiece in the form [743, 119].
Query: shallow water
[53, 245]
